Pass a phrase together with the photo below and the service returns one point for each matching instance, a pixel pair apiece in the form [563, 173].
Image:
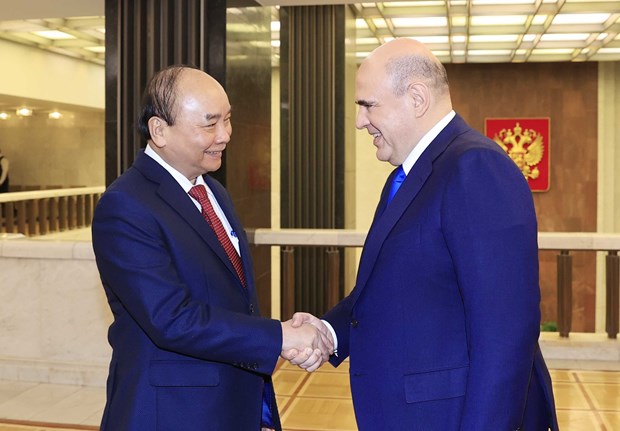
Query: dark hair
[159, 98]
[402, 70]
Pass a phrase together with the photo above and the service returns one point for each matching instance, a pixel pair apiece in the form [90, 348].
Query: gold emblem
[525, 148]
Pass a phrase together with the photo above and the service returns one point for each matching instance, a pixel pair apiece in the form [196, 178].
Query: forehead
[371, 81]
[197, 90]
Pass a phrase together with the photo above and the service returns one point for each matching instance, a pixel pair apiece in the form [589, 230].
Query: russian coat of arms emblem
[526, 141]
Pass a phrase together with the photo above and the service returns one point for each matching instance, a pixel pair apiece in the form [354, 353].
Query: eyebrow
[210, 117]
[366, 103]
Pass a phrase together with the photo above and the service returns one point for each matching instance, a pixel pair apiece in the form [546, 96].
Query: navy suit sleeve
[141, 267]
[489, 224]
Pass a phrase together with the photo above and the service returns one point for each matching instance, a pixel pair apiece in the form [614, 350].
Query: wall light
[54, 115]
[24, 112]
[4, 116]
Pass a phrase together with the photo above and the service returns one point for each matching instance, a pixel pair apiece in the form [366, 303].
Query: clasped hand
[306, 341]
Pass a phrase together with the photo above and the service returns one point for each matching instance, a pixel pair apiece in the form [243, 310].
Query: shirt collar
[426, 140]
[183, 181]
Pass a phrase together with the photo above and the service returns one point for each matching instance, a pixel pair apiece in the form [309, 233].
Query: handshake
[306, 341]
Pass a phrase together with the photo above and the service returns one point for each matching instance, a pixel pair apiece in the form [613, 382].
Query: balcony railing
[47, 211]
[564, 243]
[34, 213]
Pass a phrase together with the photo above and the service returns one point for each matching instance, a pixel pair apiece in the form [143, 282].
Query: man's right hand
[304, 344]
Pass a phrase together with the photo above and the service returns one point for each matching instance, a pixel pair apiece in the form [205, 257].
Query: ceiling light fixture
[24, 112]
[54, 34]
[4, 116]
[54, 115]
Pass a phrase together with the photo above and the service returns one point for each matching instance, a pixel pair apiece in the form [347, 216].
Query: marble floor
[587, 400]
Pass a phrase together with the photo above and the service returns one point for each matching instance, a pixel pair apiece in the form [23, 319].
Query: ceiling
[458, 31]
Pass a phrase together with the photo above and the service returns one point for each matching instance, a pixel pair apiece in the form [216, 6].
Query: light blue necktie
[396, 182]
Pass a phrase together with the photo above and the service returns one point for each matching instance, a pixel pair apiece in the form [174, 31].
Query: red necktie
[199, 193]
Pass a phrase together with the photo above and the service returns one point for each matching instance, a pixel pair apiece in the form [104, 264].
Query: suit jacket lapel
[387, 217]
[173, 195]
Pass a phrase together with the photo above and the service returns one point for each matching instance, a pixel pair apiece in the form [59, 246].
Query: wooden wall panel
[312, 136]
[567, 94]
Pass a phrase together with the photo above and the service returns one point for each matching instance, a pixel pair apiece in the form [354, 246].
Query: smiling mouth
[214, 153]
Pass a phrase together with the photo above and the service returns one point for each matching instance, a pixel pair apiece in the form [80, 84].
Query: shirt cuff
[331, 330]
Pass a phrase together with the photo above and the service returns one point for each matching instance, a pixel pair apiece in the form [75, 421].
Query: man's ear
[157, 127]
[420, 97]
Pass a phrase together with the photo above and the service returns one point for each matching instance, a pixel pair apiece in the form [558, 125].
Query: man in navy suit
[442, 326]
[190, 351]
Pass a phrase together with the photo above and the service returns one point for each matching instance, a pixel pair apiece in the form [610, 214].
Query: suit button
[254, 366]
[251, 308]
[354, 323]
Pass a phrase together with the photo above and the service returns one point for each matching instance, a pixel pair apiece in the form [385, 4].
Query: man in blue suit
[442, 326]
[190, 351]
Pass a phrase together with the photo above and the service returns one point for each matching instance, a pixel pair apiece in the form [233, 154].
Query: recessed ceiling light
[54, 34]
[552, 51]
[564, 36]
[489, 52]
[498, 20]
[580, 18]
[367, 41]
[431, 39]
[503, 2]
[424, 21]
[494, 38]
[54, 115]
[97, 49]
[459, 21]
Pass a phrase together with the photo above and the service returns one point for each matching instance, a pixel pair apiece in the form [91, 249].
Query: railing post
[288, 282]
[53, 226]
[565, 292]
[88, 218]
[612, 283]
[9, 215]
[80, 211]
[32, 217]
[21, 217]
[43, 216]
[63, 213]
[72, 213]
[333, 277]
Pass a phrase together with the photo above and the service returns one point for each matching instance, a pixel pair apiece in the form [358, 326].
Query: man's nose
[223, 134]
[361, 120]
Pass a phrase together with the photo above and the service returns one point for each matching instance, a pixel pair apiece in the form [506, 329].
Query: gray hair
[402, 70]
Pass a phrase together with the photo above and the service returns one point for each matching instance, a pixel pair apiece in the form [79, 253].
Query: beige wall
[37, 74]
[45, 153]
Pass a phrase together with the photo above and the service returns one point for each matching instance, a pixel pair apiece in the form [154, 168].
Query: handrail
[43, 194]
[564, 242]
[39, 212]
[593, 241]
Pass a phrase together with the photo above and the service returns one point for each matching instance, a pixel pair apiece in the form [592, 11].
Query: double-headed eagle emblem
[525, 148]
